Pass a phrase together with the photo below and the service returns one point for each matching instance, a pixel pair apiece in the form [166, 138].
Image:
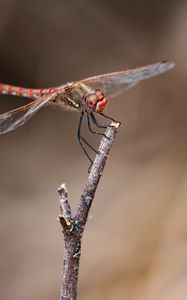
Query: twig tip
[115, 124]
[62, 190]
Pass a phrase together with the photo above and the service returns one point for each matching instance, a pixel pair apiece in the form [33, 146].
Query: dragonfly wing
[17, 117]
[115, 83]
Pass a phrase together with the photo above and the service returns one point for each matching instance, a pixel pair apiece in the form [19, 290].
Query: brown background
[135, 243]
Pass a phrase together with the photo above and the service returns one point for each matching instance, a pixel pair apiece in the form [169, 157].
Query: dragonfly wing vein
[17, 117]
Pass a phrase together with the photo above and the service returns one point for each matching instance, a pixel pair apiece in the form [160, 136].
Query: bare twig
[73, 227]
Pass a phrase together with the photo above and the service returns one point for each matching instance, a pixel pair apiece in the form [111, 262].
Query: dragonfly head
[96, 101]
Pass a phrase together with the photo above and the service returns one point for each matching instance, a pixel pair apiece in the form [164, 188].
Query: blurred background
[135, 242]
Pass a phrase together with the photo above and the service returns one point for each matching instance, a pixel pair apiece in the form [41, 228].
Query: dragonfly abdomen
[24, 92]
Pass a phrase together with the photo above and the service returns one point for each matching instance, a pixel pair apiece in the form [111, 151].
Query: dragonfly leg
[81, 140]
[93, 118]
[108, 117]
[89, 126]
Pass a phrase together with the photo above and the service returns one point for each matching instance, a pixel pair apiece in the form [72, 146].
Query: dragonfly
[88, 97]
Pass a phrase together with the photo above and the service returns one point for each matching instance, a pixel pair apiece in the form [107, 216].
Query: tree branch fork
[73, 227]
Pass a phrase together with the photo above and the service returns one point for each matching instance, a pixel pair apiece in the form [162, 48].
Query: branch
[73, 227]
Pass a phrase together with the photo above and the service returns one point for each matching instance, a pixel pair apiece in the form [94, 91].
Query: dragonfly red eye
[101, 105]
[96, 101]
[100, 94]
[91, 101]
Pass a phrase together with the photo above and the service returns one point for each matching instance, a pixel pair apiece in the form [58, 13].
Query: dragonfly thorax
[96, 101]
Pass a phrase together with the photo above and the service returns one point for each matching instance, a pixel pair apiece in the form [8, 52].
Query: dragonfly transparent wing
[17, 117]
[115, 83]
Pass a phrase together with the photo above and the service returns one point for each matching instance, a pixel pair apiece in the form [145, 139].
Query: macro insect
[88, 97]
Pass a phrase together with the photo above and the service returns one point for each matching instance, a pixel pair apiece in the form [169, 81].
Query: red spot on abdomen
[20, 91]
[30, 93]
[41, 91]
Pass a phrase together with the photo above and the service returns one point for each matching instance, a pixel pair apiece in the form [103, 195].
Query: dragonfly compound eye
[91, 101]
[100, 95]
[100, 106]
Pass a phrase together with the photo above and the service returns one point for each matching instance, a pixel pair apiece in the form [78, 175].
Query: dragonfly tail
[7, 89]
